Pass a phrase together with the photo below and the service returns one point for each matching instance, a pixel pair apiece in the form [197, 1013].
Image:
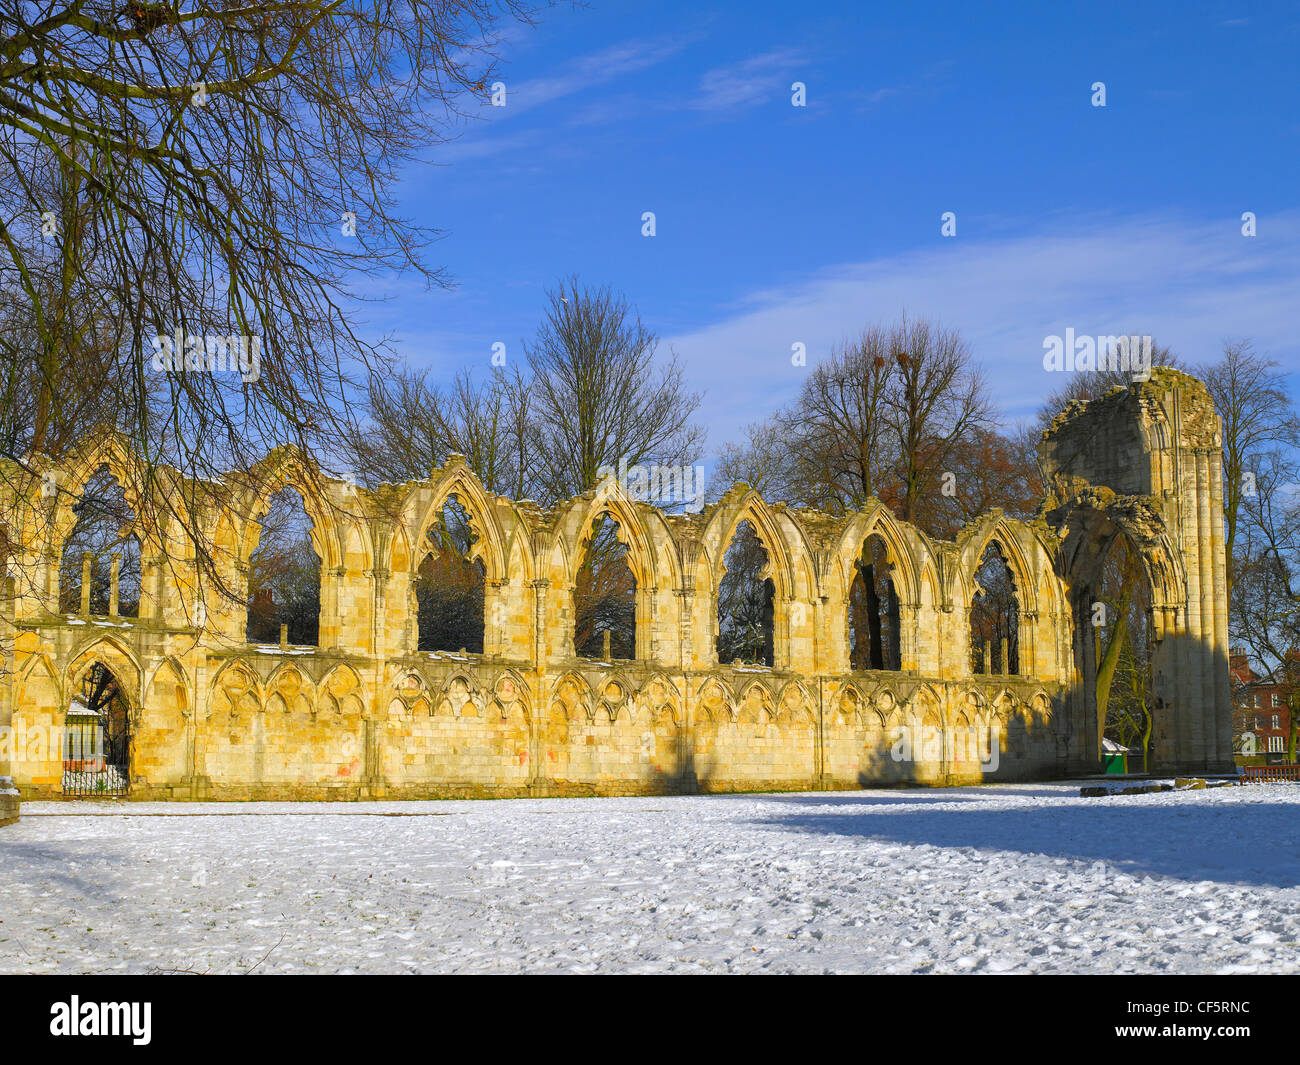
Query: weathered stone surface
[366, 715]
[8, 801]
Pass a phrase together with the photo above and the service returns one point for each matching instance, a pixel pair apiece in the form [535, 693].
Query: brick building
[1259, 706]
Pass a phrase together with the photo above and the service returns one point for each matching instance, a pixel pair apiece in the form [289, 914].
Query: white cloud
[581, 75]
[759, 78]
[1191, 285]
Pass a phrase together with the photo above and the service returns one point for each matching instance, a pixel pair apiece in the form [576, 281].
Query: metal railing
[1270, 772]
[95, 760]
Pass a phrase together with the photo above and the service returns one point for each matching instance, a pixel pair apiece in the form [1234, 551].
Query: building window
[1275, 745]
[1277, 721]
[1255, 697]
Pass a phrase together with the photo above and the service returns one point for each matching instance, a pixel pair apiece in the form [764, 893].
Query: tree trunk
[1106, 669]
[873, 616]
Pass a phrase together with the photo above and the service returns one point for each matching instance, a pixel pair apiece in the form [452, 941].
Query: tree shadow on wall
[691, 774]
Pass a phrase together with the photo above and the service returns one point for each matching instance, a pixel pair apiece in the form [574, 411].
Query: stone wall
[366, 715]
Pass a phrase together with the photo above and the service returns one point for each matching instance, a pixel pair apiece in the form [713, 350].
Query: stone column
[821, 662]
[686, 738]
[379, 639]
[541, 589]
[647, 624]
[9, 798]
[114, 573]
[87, 560]
[1028, 647]
[1223, 695]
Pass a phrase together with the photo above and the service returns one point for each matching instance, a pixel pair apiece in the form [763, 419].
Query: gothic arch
[633, 532]
[119, 659]
[715, 694]
[170, 667]
[52, 494]
[1089, 533]
[457, 479]
[878, 520]
[572, 692]
[400, 552]
[239, 677]
[995, 528]
[511, 691]
[286, 468]
[753, 508]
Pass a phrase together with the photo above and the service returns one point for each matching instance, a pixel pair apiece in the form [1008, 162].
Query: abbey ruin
[367, 715]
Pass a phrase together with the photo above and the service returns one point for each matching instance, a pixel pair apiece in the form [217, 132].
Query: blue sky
[777, 224]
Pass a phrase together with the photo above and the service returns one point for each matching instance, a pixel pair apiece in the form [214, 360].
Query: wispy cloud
[588, 71]
[759, 79]
[1191, 285]
[929, 80]
[579, 76]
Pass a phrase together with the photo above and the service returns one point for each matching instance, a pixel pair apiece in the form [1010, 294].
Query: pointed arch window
[450, 583]
[284, 574]
[103, 529]
[874, 626]
[746, 598]
[604, 595]
[995, 616]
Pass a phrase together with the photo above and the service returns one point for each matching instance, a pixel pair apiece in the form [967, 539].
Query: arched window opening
[1119, 617]
[97, 737]
[745, 601]
[874, 628]
[284, 575]
[604, 596]
[104, 523]
[995, 616]
[449, 585]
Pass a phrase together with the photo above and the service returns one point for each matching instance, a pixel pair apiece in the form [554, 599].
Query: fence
[1265, 773]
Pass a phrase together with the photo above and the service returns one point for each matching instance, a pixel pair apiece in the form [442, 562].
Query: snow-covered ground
[1028, 878]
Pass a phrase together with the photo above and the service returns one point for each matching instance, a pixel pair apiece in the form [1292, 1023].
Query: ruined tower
[1145, 462]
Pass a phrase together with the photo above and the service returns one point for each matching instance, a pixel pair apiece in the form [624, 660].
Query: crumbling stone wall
[366, 715]
[1146, 463]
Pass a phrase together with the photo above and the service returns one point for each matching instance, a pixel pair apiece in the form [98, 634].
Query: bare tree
[600, 395]
[1265, 603]
[104, 523]
[988, 469]
[1123, 648]
[1259, 425]
[841, 424]
[995, 615]
[604, 595]
[414, 426]
[187, 198]
[284, 574]
[938, 398]
[885, 416]
[767, 461]
[449, 588]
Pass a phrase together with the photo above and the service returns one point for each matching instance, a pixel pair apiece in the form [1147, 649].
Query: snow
[1006, 878]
